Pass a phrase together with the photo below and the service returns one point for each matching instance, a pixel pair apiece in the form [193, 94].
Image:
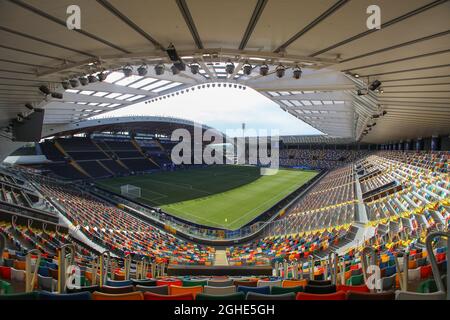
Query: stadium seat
[340, 295]
[355, 280]
[47, 283]
[260, 296]
[163, 290]
[266, 283]
[294, 283]
[238, 283]
[282, 290]
[232, 296]
[20, 296]
[245, 289]
[219, 290]
[116, 290]
[322, 289]
[154, 296]
[17, 275]
[401, 295]
[169, 282]
[123, 296]
[43, 295]
[220, 283]
[5, 273]
[353, 295]
[178, 290]
[144, 282]
[319, 282]
[115, 283]
[387, 283]
[90, 289]
[360, 288]
[5, 287]
[194, 283]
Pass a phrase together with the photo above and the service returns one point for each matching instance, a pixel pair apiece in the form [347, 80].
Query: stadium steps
[73, 163]
[220, 258]
[138, 148]
[105, 167]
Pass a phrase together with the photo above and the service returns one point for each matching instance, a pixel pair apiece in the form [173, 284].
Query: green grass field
[217, 196]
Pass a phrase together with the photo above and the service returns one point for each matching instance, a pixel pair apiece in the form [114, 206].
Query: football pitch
[218, 196]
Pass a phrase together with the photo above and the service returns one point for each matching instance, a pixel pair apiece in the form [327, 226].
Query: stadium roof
[132, 124]
[328, 39]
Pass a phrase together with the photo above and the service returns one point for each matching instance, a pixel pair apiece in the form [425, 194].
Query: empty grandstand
[96, 204]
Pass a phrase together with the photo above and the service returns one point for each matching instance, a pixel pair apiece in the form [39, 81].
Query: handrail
[63, 262]
[333, 258]
[30, 276]
[127, 266]
[365, 251]
[434, 264]
[104, 267]
[2, 246]
[311, 267]
[402, 277]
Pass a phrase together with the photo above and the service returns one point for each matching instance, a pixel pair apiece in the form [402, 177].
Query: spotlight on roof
[45, 90]
[375, 85]
[159, 69]
[297, 72]
[195, 68]
[362, 92]
[102, 76]
[384, 113]
[127, 70]
[57, 95]
[175, 70]
[280, 70]
[142, 70]
[65, 85]
[74, 83]
[356, 75]
[264, 70]
[247, 68]
[229, 67]
[84, 81]
[92, 78]
[29, 106]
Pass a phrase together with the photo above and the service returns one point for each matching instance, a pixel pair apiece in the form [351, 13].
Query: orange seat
[123, 296]
[169, 283]
[20, 265]
[294, 283]
[340, 295]
[412, 264]
[179, 290]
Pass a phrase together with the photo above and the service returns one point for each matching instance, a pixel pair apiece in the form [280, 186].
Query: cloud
[224, 108]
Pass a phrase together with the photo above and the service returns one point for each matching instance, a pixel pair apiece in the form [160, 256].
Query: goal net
[130, 191]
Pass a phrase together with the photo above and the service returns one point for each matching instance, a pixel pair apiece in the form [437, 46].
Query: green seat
[355, 280]
[20, 296]
[194, 283]
[427, 286]
[5, 287]
[281, 290]
[391, 263]
[233, 296]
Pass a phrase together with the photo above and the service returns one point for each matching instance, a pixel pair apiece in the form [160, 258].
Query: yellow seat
[294, 283]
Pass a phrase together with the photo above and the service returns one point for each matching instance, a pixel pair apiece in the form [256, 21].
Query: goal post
[130, 191]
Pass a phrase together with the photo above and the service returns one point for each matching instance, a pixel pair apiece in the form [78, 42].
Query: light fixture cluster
[199, 87]
[84, 80]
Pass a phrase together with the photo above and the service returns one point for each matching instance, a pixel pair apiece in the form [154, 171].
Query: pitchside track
[218, 196]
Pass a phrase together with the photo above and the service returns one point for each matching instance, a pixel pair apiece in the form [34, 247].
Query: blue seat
[44, 295]
[262, 290]
[121, 283]
[43, 271]
[389, 271]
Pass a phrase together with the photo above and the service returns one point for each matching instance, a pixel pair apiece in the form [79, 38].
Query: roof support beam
[184, 9]
[257, 12]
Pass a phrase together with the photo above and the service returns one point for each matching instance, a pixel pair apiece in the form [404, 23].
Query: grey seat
[265, 283]
[260, 296]
[387, 283]
[220, 283]
[402, 295]
[47, 283]
[154, 289]
[219, 291]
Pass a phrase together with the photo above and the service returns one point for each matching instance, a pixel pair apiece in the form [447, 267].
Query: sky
[224, 109]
